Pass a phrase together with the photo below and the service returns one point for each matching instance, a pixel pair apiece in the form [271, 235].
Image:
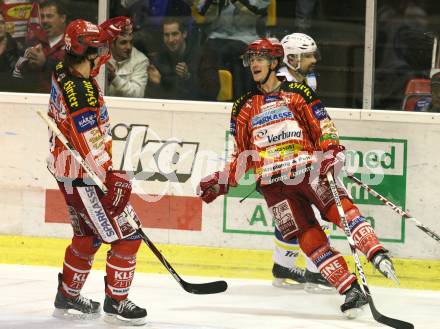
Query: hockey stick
[194, 288]
[394, 323]
[397, 209]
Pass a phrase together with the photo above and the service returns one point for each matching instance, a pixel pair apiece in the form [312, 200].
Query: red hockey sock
[78, 261]
[121, 264]
[363, 234]
[333, 268]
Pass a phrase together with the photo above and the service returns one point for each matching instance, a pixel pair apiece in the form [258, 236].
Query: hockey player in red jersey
[284, 133]
[77, 106]
[300, 57]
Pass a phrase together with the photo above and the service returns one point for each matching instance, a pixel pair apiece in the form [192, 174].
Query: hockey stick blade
[214, 287]
[390, 322]
[193, 288]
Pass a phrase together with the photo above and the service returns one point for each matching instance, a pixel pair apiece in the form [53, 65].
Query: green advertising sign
[380, 162]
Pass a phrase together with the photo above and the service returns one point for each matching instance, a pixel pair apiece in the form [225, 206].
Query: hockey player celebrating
[300, 57]
[77, 106]
[280, 129]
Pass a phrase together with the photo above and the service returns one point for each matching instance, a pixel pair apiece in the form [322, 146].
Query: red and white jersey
[77, 106]
[277, 133]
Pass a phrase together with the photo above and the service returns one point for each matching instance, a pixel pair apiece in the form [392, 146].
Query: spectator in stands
[127, 69]
[8, 56]
[231, 26]
[148, 18]
[40, 58]
[179, 72]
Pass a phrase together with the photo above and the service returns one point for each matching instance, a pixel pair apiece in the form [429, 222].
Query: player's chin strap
[262, 82]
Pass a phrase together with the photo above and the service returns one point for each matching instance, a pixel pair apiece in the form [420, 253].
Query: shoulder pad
[78, 92]
[239, 102]
[298, 88]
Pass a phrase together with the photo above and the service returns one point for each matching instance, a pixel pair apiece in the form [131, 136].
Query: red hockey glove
[113, 27]
[211, 187]
[334, 157]
[118, 194]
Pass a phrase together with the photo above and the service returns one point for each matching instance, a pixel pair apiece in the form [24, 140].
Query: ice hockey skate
[383, 263]
[355, 299]
[317, 284]
[290, 278]
[123, 312]
[78, 307]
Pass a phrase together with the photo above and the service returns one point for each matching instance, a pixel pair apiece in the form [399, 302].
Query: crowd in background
[178, 46]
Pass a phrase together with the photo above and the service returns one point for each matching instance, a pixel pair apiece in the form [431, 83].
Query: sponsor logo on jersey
[319, 111]
[97, 213]
[283, 176]
[302, 88]
[273, 105]
[282, 112]
[233, 127]
[299, 161]
[56, 104]
[280, 151]
[72, 99]
[90, 93]
[328, 127]
[85, 121]
[277, 133]
[270, 99]
[104, 113]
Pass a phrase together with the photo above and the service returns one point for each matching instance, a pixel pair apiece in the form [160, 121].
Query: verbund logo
[277, 133]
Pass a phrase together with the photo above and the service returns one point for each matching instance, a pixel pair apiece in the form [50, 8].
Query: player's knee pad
[85, 245]
[311, 239]
[78, 261]
[332, 213]
[333, 267]
[121, 265]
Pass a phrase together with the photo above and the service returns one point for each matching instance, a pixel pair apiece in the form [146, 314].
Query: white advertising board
[170, 145]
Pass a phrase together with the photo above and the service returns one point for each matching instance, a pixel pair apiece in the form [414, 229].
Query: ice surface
[27, 294]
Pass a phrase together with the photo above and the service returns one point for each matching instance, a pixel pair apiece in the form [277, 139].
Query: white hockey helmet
[297, 44]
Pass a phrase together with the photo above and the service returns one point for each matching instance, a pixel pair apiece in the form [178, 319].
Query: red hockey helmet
[80, 35]
[268, 47]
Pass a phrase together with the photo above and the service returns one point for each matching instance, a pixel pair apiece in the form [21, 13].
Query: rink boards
[170, 145]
